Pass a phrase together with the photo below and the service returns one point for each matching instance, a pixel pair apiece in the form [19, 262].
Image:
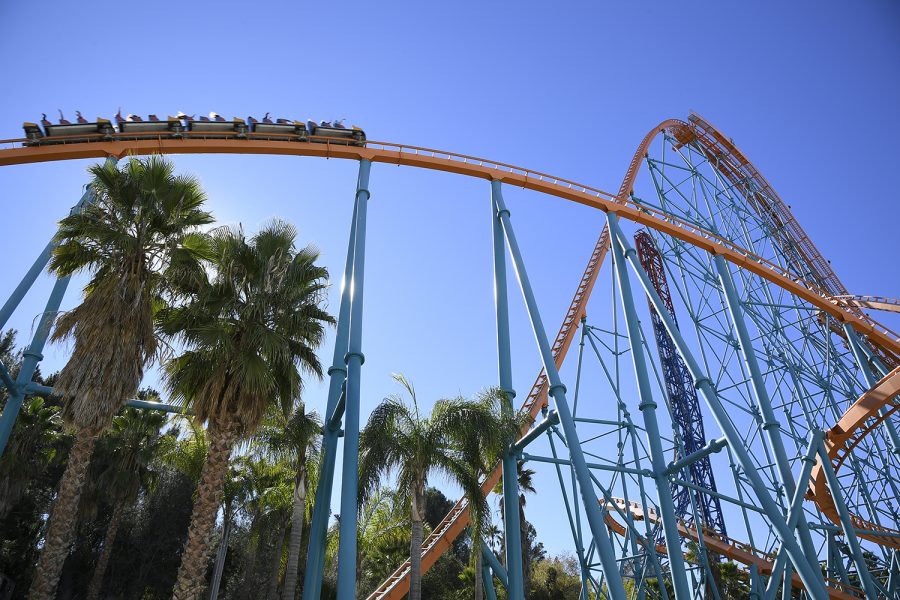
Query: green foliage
[251, 324]
[557, 578]
[140, 229]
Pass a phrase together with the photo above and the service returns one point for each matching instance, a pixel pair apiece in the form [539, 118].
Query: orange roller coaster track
[820, 287]
[860, 419]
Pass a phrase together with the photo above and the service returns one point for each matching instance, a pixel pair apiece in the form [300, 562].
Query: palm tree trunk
[479, 582]
[220, 557]
[277, 547]
[103, 561]
[297, 520]
[415, 543]
[192, 572]
[61, 528]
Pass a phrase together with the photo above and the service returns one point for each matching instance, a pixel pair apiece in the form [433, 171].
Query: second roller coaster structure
[801, 385]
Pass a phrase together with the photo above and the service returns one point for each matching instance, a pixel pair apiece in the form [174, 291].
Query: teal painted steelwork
[770, 424]
[557, 390]
[795, 516]
[648, 410]
[354, 359]
[834, 486]
[489, 592]
[33, 354]
[32, 274]
[711, 448]
[337, 373]
[491, 561]
[7, 378]
[511, 525]
[812, 579]
[549, 421]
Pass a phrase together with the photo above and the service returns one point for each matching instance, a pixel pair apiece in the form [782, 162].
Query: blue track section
[682, 397]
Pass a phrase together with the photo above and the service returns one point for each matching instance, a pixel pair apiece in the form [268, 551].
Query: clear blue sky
[809, 90]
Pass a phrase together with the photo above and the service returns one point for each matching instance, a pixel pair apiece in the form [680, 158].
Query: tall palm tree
[294, 439]
[251, 325]
[130, 448]
[397, 436]
[142, 224]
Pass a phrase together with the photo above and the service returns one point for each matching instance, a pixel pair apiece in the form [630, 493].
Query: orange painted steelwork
[855, 424]
[722, 545]
[413, 156]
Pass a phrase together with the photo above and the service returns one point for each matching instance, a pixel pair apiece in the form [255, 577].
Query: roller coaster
[759, 346]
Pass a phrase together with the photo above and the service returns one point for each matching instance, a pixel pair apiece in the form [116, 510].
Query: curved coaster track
[787, 367]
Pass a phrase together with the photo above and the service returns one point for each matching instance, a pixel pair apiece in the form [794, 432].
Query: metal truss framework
[795, 377]
[686, 415]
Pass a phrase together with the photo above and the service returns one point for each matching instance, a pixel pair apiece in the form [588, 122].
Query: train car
[280, 128]
[215, 123]
[326, 129]
[151, 129]
[33, 133]
[134, 127]
[67, 133]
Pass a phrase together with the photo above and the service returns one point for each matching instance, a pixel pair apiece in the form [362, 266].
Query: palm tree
[270, 499]
[130, 447]
[188, 450]
[397, 436]
[294, 439]
[251, 324]
[34, 444]
[141, 225]
[382, 529]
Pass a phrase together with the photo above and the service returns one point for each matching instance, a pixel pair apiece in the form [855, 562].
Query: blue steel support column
[346, 584]
[318, 529]
[491, 561]
[489, 592]
[511, 525]
[31, 276]
[648, 410]
[32, 355]
[847, 524]
[602, 542]
[795, 514]
[770, 423]
[812, 578]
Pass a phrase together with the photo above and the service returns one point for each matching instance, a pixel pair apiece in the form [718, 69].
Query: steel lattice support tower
[682, 397]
